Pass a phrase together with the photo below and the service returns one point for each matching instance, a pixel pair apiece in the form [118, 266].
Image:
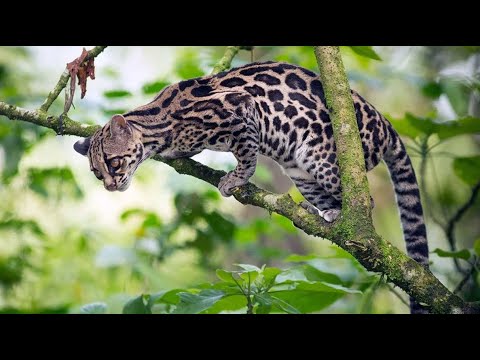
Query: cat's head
[115, 151]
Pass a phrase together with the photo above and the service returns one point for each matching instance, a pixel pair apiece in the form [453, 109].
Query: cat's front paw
[229, 182]
[330, 215]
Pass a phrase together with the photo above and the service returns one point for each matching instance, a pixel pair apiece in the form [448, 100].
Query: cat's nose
[111, 186]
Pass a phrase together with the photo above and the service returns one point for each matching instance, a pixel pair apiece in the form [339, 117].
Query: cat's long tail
[409, 204]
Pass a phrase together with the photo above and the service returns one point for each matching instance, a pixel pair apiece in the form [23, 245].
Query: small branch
[423, 152]
[226, 61]
[249, 298]
[42, 119]
[62, 82]
[395, 292]
[465, 279]
[423, 187]
[458, 215]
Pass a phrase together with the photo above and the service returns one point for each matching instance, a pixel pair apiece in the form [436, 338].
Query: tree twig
[62, 82]
[467, 277]
[226, 61]
[458, 215]
[395, 292]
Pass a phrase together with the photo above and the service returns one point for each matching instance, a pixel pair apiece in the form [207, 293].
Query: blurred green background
[69, 246]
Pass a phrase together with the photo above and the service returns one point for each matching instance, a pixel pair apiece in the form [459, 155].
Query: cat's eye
[98, 174]
[115, 163]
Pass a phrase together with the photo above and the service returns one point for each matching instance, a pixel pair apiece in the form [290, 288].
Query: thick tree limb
[355, 222]
[354, 233]
[355, 194]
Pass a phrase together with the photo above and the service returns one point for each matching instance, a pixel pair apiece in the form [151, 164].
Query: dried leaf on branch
[81, 68]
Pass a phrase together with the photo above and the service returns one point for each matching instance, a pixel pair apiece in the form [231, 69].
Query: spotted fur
[274, 109]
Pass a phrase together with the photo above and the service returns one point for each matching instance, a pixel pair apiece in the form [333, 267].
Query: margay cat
[269, 108]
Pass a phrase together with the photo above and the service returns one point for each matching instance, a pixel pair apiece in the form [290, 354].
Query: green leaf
[12, 268]
[413, 126]
[16, 140]
[308, 297]
[154, 87]
[476, 247]
[404, 127]
[269, 275]
[249, 268]
[166, 297]
[249, 277]
[222, 227]
[20, 225]
[461, 254]
[282, 304]
[366, 51]
[53, 181]
[468, 169]
[432, 89]
[268, 303]
[226, 276]
[117, 94]
[314, 274]
[186, 64]
[300, 258]
[284, 223]
[196, 303]
[228, 303]
[264, 303]
[458, 93]
[132, 212]
[448, 129]
[136, 306]
[295, 273]
[111, 112]
[94, 308]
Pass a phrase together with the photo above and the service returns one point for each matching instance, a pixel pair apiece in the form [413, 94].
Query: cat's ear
[119, 126]
[82, 146]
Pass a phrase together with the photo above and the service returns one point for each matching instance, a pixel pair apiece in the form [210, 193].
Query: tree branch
[373, 252]
[467, 276]
[355, 222]
[458, 215]
[226, 61]
[354, 235]
[356, 203]
[62, 82]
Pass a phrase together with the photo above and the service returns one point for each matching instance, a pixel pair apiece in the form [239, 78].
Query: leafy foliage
[94, 308]
[263, 290]
[117, 94]
[413, 127]
[187, 65]
[53, 182]
[468, 169]
[366, 51]
[154, 87]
